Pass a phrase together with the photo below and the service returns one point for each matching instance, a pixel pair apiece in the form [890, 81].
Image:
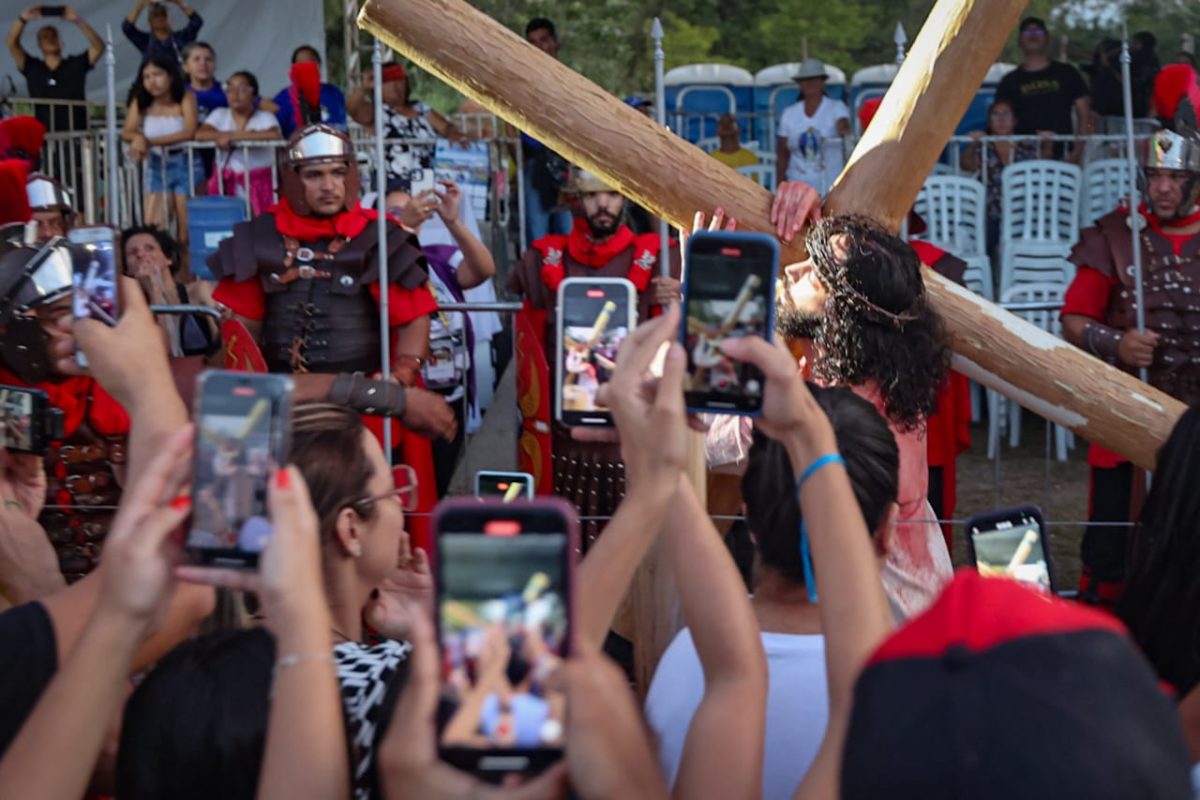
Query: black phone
[52, 11]
[1012, 543]
[594, 317]
[242, 425]
[504, 578]
[95, 276]
[728, 292]
[27, 421]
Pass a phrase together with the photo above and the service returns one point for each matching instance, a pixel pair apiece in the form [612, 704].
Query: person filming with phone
[55, 76]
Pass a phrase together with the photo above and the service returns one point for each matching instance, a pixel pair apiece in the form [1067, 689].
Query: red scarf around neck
[309, 229]
[595, 254]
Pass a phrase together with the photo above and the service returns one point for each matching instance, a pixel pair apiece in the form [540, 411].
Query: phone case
[988, 521]
[733, 237]
[525, 477]
[560, 325]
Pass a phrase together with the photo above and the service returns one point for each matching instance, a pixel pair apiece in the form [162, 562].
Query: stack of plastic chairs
[1039, 222]
[1105, 185]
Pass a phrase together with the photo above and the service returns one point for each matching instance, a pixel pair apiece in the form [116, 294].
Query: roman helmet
[584, 182]
[47, 194]
[31, 276]
[1178, 152]
[316, 144]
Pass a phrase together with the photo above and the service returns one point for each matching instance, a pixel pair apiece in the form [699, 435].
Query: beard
[603, 225]
[793, 324]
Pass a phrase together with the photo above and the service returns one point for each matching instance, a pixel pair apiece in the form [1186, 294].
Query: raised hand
[408, 587]
[795, 205]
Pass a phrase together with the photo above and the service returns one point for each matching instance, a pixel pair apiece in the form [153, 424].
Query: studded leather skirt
[591, 476]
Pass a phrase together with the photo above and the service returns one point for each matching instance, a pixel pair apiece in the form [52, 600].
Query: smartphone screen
[504, 626]
[21, 419]
[728, 293]
[1011, 544]
[508, 486]
[95, 277]
[594, 317]
[241, 439]
[53, 11]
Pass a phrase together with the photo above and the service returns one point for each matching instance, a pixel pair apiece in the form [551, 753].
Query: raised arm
[359, 103]
[14, 35]
[138, 38]
[723, 752]
[95, 43]
[194, 23]
[477, 264]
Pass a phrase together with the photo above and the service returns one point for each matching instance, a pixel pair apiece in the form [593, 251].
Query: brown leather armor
[81, 494]
[320, 315]
[1171, 287]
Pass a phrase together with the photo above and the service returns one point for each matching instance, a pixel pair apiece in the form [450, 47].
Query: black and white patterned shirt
[367, 676]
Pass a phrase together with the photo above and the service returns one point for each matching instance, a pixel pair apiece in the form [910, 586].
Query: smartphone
[242, 422]
[52, 11]
[728, 292]
[27, 421]
[504, 578]
[1012, 544]
[594, 317]
[506, 485]
[95, 276]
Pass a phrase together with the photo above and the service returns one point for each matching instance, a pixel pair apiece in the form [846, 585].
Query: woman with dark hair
[1161, 601]
[797, 699]
[1002, 121]
[162, 113]
[151, 257]
[242, 171]
[404, 117]
[359, 505]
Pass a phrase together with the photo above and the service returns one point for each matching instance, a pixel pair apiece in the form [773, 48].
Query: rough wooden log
[671, 177]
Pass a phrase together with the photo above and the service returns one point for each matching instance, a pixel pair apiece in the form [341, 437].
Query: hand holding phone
[241, 440]
[594, 317]
[95, 276]
[508, 486]
[27, 421]
[1011, 543]
[729, 293]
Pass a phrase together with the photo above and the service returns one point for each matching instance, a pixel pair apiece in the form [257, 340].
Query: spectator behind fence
[546, 172]
[1043, 93]
[151, 257]
[200, 70]
[242, 171]
[797, 702]
[404, 117]
[1002, 121]
[161, 40]
[450, 368]
[802, 152]
[1159, 603]
[1105, 73]
[730, 151]
[333, 103]
[54, 76]
[161, 114]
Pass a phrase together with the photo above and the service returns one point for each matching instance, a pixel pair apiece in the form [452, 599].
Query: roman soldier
[51, 205]
[304, 280]
[1100, 316]
[600, 245]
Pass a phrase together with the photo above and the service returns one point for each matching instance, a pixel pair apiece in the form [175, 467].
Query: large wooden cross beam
[960, 40]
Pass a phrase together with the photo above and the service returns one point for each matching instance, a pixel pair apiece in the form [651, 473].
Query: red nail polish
[181, 503]
[283, 479]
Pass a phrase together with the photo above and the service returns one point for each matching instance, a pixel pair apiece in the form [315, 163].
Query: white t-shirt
[222, 120]
[813, 159]
[797, 706]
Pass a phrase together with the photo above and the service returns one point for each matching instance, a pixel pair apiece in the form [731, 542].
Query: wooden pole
[466, 48]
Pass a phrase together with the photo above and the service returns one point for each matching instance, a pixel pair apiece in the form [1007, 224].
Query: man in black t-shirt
[1043, 92]
[54, 76]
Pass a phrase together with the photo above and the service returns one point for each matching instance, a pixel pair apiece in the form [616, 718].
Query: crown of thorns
[834, 273]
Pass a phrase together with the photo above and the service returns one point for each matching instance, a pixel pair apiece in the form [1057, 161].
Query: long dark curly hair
[877, 325]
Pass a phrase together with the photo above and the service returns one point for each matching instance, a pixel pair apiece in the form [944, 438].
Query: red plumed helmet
[14, 204]
[1174, 83]
[306, 92]
[22, 137]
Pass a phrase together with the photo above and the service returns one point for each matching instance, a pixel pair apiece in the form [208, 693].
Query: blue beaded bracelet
[806, 559]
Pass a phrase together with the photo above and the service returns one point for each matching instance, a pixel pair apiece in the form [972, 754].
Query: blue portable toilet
[774, 90]
[210, 221]
[698, 94]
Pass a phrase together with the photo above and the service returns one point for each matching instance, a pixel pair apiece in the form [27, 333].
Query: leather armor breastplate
[311, 327]
[1171, 289]
[81, 493]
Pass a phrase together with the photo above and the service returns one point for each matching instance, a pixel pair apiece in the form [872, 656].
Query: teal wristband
[810, 581]
[823, 461]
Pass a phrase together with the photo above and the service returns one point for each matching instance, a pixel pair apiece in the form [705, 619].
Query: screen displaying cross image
[233, 462]
[95, 281]
[1016, 552]
[595, 322]
[726, 298]
[16, 419]
[503, 626]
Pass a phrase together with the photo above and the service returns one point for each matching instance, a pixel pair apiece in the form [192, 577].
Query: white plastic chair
[1048, 320]
[1039, 215]
[1105, 184]
[953, 209]
[764, 174]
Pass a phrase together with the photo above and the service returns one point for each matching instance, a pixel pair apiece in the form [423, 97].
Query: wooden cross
[958, 43]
